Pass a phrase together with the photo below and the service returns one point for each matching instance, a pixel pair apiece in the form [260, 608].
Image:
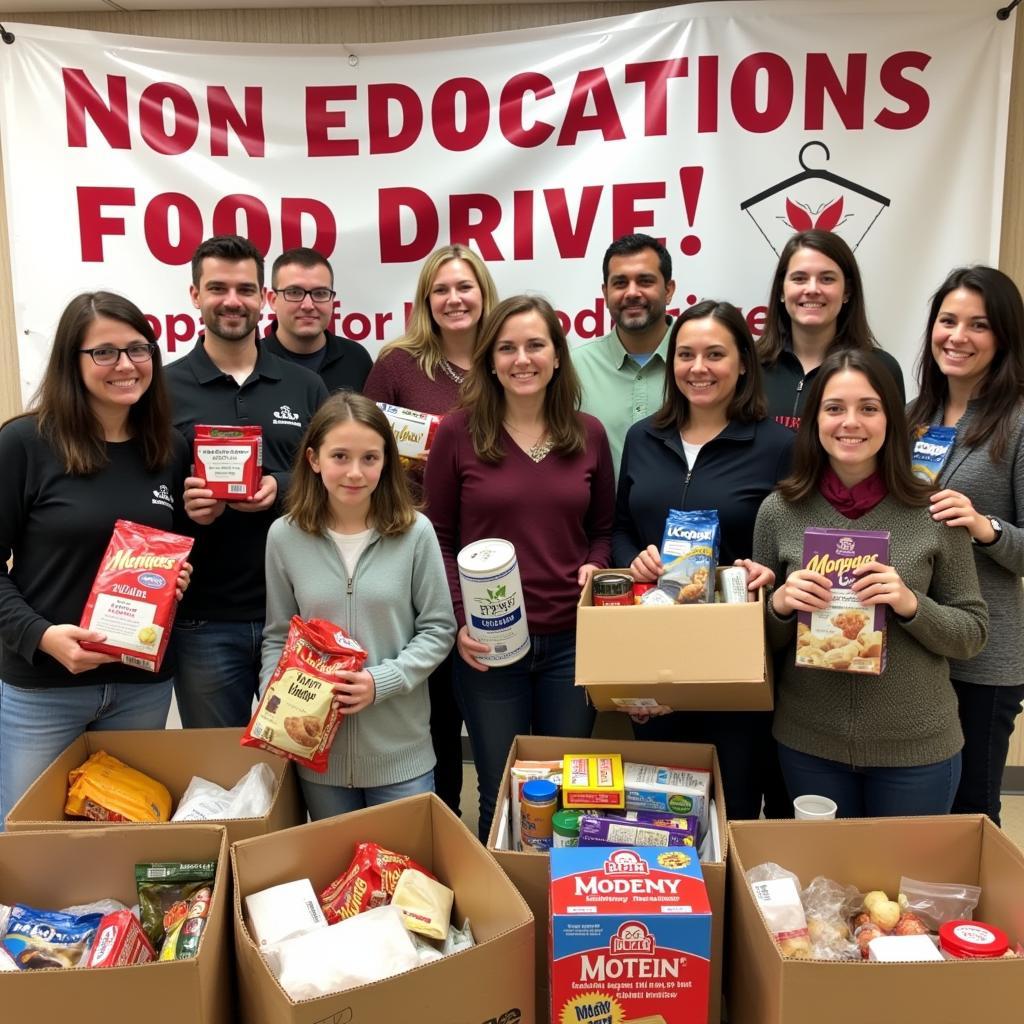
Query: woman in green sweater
[887, 744]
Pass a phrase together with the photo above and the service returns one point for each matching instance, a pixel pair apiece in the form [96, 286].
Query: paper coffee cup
[814, 808]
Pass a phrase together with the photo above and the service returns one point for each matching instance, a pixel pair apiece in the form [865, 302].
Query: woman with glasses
[95, 447]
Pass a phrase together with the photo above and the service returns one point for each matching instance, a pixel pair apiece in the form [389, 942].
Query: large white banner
[720, 127]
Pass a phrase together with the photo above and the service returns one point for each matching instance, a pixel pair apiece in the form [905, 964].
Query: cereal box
[133, 601]
[846, 636]
[592, 780]
[229, 459]
[630, 936]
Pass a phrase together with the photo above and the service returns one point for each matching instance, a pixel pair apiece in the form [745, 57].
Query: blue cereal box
[630, 936]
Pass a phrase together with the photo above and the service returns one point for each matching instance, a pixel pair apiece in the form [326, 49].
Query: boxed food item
[592, 780]
[120, 942]
[528, 870]
[414, 431]
[600, 831]
[873, 855]
[708, 657]
[630, 936]
[846, 636]
[133, 598]
[172, 757]
[66, 869]
[229, 459]
[493, 980]
[651, 787]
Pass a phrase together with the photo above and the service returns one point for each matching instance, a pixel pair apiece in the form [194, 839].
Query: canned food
[732, 582]
[612, 588]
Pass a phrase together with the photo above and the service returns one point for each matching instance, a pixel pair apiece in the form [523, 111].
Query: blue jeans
[873, 792]
[36, 725]
[218, 673]
[535, 695]
[328, 801]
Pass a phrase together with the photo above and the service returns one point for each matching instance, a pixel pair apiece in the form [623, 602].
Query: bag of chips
[296, 717]
[368, 882]
[106, 789]
[162, 886]
[689, 552]
[36, 939]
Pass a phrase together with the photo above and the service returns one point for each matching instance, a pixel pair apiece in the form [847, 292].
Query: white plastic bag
[250, 797]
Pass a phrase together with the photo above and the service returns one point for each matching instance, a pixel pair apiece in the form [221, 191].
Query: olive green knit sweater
[908, 715]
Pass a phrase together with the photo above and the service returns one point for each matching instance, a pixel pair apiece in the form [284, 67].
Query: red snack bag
[229, 459]
[368, 882]
[120, 942]
[133, 600]
[296, 717]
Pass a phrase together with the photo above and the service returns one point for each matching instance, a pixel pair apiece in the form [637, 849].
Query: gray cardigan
[907, 716]
[397, 605]
[995, 489]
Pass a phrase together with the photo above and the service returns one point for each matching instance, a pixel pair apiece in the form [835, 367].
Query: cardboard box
[173, 757]
[53, 869]
[765, 988]
[491, 982]
[630, 934]
[707, 657]
[528, 871]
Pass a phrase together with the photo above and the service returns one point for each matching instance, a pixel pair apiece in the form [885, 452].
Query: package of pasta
[133, 600]
[296, 716]
[106, 789]
[368, 882]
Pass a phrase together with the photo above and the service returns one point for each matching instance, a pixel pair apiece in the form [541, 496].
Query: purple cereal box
[846, 636]
[599, 831]
[689, 823]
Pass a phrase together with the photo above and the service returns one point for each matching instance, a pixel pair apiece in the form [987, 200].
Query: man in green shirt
[623, 374]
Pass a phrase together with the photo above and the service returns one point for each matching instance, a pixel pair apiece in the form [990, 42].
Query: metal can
[732, 582]
[612, 588]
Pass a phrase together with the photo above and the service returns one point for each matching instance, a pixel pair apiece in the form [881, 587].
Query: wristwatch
[997, 527]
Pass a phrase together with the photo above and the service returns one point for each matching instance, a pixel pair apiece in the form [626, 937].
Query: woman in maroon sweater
[424, 370]
[520, 462]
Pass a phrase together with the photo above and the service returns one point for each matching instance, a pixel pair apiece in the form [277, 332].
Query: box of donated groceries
[491, 981]
[630, 935]
[875, 854]
[172, 757]
[57, 870]
[708, 657]
[529, 869]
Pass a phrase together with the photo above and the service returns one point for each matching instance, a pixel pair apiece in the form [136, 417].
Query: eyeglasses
[110, 355]
[293, 293]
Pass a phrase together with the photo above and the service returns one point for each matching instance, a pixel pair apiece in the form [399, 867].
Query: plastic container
[972, 940]
[538, 803]
[565, 828]
[492, 595]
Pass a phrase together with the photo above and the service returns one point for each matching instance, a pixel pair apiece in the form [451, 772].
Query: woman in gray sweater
[971, 378]
[886, 744]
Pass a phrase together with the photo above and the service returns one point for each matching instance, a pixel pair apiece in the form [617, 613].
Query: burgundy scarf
[852, 502]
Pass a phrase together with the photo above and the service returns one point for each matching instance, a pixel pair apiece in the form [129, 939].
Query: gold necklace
[450, 370]
[539, 448]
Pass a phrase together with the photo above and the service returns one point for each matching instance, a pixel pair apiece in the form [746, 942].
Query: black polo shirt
[228, 583]
[346, 363]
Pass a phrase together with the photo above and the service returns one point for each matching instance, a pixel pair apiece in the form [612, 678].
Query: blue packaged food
[689, 553]
[930, 451]
[36, 939]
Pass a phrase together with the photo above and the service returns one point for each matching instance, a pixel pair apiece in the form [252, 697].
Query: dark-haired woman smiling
[97, 447]
[710, 446]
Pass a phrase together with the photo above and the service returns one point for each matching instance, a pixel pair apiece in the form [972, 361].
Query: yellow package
[592, 780]
[426, 904]
[105, 789]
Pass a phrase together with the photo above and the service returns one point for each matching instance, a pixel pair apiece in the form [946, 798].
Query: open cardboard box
[763, 987]
[493, 981]
[694, 657]
[173, 757]
[50, 870]
[529, 872]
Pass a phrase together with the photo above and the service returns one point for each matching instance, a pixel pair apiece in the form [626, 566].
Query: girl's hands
[758, 575]
[647, 567]
[468, 647]
[641, 716]
[354, 691]
[956, 509]
[881, 584]
[803, 591]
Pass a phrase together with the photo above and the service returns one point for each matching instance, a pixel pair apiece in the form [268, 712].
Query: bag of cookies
[296, 717]
[133, 598]
[846, 636]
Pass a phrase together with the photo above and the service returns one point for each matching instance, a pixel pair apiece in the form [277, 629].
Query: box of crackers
[846, 636]
[133, 600]
[229, 459]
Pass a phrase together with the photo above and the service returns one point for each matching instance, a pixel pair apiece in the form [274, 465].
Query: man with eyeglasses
[302, 294]
[230, 378]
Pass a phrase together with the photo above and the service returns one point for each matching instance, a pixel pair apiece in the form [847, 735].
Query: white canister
[492, 596]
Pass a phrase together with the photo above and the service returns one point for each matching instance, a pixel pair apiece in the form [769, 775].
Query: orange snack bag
[106, 789]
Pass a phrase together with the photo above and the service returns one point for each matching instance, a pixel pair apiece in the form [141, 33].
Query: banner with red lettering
[719, 127]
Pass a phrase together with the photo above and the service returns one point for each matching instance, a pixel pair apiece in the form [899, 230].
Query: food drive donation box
[630, 936]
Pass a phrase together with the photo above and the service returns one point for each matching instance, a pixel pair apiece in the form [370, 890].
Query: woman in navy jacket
[710, 446]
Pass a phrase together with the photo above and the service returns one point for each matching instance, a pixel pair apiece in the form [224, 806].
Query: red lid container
[972, 940]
